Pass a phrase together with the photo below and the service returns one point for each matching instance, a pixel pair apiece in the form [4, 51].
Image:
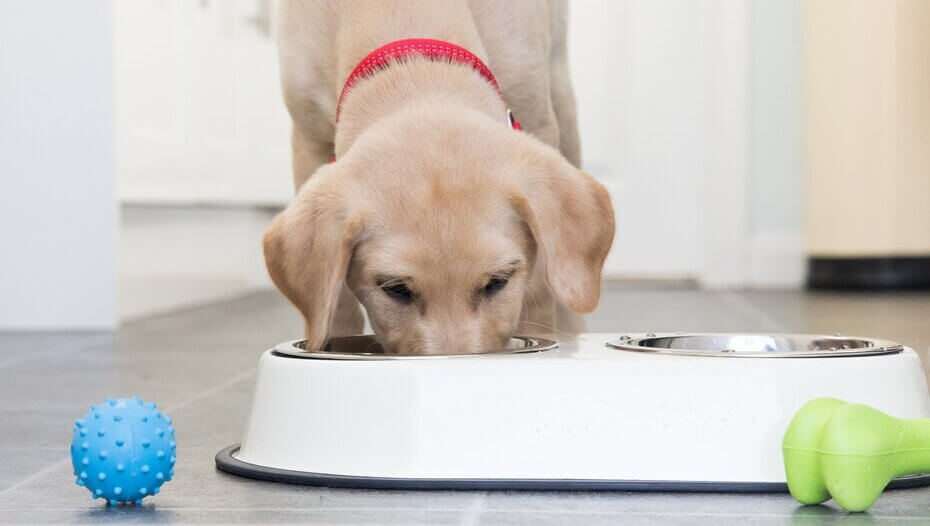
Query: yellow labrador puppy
[422, 201]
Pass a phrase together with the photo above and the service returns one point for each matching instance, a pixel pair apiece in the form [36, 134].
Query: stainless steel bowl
[366, 347]
[754, 345]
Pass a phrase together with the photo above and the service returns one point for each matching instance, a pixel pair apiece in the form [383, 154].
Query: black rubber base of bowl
[225, 461]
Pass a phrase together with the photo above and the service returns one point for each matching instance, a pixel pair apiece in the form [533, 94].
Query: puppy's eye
[495, 284]
[397, 291]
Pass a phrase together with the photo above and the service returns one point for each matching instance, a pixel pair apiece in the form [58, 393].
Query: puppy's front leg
[307, 154]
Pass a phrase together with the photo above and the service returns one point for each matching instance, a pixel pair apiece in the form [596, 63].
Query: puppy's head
[436, 227]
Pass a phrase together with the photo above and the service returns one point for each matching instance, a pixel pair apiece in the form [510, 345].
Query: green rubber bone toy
[850, 452]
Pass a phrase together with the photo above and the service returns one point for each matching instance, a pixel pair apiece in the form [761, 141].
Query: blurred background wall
[58, 217]
[692, 113]
[689, 112]
[203, 149]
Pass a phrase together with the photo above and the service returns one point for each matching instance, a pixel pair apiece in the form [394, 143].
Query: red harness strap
[432, 49]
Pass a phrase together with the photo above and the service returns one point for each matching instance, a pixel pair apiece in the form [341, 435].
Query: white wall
[637, 75]
[203, 143]
[177, 256]
[646, 75]
[199, 109]
[775, 88]
[775, 189]
[57, 210]
[690, 113]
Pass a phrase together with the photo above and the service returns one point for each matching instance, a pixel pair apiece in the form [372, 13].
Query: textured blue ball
[123, 450]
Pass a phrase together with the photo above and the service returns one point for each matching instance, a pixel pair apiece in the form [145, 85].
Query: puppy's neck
[417, 85]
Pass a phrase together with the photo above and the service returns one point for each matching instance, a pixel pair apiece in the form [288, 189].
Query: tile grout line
[93, 340]
[213, 390]
[197, 397]
[185, 310]
[35, 476]
[767, 321]
[472, 515]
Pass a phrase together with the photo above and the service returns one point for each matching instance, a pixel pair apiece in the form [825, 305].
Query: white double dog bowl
[697, 412]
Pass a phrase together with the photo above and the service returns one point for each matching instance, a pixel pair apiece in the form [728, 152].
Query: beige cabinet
[867, 128]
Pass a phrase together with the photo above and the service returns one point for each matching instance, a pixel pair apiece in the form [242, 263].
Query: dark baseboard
[869, 273]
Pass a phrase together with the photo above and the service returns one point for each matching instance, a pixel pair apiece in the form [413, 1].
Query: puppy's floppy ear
[572, 220]
[308, 248]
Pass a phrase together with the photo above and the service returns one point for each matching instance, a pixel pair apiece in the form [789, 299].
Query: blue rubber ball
[123, 450]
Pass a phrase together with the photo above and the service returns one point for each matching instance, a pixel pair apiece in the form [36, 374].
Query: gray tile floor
[199, 365]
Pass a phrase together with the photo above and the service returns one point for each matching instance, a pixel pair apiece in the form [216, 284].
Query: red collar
[432, 49]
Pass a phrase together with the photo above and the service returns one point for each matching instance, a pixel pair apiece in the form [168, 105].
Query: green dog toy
[850, 452]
